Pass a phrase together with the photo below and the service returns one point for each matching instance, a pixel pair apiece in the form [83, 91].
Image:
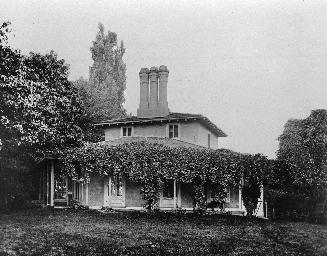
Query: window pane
[124, 131]
[168, 189]
[171, 131]
[176, 131]
[60, 187]
[130, 131]
[117, 185]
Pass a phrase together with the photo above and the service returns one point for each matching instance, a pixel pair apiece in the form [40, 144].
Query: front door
[115, 191]
[168, 195]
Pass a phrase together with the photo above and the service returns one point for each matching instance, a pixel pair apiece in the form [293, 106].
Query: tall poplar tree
[107, 81]
[103, 93]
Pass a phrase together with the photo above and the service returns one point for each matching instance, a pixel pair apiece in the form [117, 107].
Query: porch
[121, 193]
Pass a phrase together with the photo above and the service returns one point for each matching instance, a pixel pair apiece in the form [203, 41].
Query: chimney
[144, 92]
[153, 101]
[163, 109]
[153, 96]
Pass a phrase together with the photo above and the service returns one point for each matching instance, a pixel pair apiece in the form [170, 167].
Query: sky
[248, 66]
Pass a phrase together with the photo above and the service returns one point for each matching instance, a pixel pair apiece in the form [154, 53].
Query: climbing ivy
[150, 164]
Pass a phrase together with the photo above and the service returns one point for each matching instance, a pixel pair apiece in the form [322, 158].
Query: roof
[169, 142]
[172, 117]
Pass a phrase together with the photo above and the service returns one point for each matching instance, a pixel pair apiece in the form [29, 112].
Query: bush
[292, 206]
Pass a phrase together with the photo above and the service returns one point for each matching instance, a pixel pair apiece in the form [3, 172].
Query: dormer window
[126, 131]
[173, 131]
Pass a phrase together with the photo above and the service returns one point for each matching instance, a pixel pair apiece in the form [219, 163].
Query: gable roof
[172, 117]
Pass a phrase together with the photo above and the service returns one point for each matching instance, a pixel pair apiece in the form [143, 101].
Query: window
[168, 189]
[173, 131]
[60, 188]
[127, 131]
[208, 140]
[117, 185]
[214, 191]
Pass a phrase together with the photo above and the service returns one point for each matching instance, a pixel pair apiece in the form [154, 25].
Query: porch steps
[237, 213]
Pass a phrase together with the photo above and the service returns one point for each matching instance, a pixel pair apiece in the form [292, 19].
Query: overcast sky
[248, 66]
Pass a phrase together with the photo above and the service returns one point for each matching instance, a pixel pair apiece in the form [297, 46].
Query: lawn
[68, 232]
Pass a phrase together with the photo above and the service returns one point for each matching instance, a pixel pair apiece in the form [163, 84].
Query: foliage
[108, 72]
[302, 157]
[151, 164]
[39, 110]
[39, 107]
[103, 94]
[4, 31]
[254, 170]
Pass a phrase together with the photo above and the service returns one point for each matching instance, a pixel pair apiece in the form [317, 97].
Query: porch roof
[169, 142]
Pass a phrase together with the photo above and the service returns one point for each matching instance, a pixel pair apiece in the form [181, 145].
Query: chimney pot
[163, 109]
[144, 92]
[144, 70]
[163, 68]
[153, 99]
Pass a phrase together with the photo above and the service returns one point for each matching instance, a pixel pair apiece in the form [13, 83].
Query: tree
[303, 148]
[39, 113]
[39, 106]
[103, 93]
[255, 167]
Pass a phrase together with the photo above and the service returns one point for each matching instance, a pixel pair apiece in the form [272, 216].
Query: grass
[68, 232]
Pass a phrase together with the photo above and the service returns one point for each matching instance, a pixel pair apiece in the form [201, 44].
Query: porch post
[87, 192]
[179, 194]
[40, 185]
[47, 182]
[82, 191]
[109, 192]
[52, 184]
[67, 191]
[74, 192]
[175, 194]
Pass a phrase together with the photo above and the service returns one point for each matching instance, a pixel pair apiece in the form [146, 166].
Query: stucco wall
[186, 194]
[96, 187]
[203, 137]
[192, 132]
[133, 197]
[189, 132]
[112, 133]
[150, 130]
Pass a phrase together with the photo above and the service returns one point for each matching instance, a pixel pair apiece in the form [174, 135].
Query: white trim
[134, 208]
[95, 207]
[106, 185]
[175, 194]
[86, 193]
[52, 184]
[228, 195]
[109, 191]
[179, 194]
[233, 210]
[82, 193]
